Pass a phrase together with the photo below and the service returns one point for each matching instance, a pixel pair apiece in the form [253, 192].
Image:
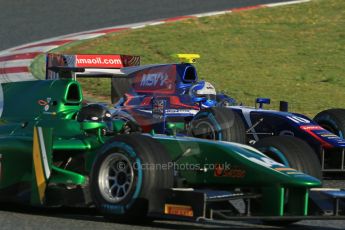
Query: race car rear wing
[88, 64]
[146, 79]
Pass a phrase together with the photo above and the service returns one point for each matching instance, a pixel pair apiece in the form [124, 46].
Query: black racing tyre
[292, 152]
[333, 120]
[218, 123]
[119, 87]
[127, 177]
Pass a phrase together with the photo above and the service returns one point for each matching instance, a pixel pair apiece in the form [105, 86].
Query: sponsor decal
[182, 111]
[104, 61]
[233, 172]
[311, 127]
[178, 210]
[161, 80]
[117, 209]
[329, 135]
[158, 108]
[267, 162]
[89, 61]
[154, 79]
[311, 130]
[218, 170]
[294, 173]
[285, 169]
[42, 102]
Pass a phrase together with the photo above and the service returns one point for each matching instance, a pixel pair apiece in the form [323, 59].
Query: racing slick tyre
[333, 120]
[122, 186]
[218, 123]
[292, 152]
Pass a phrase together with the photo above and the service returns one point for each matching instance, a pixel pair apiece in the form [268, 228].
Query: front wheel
[123, 185]
[332, 120]
[292, 152]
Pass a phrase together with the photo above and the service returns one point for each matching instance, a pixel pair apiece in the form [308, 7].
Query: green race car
[55, 151]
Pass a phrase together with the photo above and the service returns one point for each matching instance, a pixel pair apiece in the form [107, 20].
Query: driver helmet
[204, 92]
[97, 113]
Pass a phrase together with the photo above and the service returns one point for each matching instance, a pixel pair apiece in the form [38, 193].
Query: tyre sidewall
[227, 124]
[334, 119]
[208, 117]
[297, 153]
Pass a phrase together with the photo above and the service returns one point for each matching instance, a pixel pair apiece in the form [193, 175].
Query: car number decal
[298, 120]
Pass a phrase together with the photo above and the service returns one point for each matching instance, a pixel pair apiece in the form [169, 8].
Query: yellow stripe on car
[39, 173]
[285, 169]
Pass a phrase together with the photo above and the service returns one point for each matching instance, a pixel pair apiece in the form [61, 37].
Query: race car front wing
[210, 206]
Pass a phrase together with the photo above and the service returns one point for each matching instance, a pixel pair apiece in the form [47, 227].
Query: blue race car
[169, 99]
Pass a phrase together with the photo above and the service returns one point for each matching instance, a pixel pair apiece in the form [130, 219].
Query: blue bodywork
[161, 94]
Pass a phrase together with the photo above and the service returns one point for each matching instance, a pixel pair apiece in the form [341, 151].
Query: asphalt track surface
[24, 21]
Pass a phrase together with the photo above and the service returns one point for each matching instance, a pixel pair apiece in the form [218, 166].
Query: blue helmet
[205, 93]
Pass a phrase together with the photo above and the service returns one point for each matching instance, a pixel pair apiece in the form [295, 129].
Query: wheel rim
[116, 177]
[209, 133]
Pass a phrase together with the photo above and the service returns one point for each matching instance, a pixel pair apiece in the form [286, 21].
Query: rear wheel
[292, 152]
[122, 187]
[333, 120]
[218, 123]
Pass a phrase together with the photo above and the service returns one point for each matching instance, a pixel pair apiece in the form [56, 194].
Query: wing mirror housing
[261, 101]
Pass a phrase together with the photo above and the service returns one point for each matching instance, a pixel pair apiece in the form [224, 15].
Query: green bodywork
[39, 132]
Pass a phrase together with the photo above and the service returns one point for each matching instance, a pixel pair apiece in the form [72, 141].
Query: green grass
[294, 53]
